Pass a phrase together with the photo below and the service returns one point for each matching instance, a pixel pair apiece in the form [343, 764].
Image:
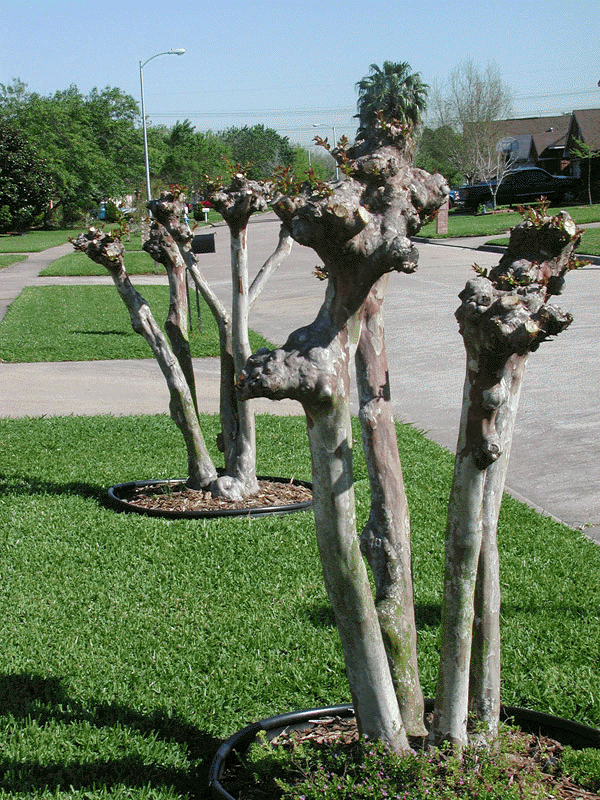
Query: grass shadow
[428, 615]
[28, 698]
[103, 333]
[320, 615]
[28, 485]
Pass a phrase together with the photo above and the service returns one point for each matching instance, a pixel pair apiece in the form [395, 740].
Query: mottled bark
[484, 678]
[504, 316]
[312, 367]
[360, 228]
[236, 204]
[385, 540]
[229, 400]
[169, 244]
[107, 251]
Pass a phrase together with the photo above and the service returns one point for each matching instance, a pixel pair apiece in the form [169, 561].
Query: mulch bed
[174, 496]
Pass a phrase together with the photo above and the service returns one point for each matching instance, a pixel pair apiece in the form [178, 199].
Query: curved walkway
[554, 466]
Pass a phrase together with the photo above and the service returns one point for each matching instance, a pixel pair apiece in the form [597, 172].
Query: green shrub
[583, 766]
[113, 214]
[307, 770]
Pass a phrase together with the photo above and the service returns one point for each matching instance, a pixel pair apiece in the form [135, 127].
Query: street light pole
[178, 52]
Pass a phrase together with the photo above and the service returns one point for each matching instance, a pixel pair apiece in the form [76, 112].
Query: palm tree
[399, 94]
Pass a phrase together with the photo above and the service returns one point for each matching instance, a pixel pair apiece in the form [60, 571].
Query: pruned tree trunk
[312, 368]
[236, 204]
[504, 316]
[244, 469]
[463, 543]
[484, 679]
[168, 244]
[107, 251]
[360, 228]
[385, 540]
[229, 400]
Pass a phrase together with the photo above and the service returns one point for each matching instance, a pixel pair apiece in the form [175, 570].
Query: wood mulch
[532, 755]
[175, 497]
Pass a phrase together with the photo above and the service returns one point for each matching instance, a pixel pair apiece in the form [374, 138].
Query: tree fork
[360, 227]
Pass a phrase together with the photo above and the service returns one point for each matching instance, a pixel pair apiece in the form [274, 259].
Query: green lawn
[460, 225]
[137, 262]
[38, 240]
[131, 645]
[91, 323]
[34, 241]
[7, 259]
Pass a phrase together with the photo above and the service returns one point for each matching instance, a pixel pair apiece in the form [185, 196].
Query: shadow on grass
[28, 485]
[428, 615]
[320, 615]
[30, 697]
[103, 333]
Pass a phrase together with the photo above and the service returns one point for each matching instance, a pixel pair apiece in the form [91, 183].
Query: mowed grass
[132, 645]
[7, 259]
[34, 241]
[460, 224]
[137, 262]
[38, 240]
[91, 323]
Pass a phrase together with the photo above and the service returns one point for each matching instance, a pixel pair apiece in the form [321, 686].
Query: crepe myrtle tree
[504, 316]
[360, 228]
[236, 203]
[169, 243]
[108, 250]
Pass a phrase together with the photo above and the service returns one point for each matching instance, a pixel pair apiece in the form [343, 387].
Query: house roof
[555, 133]
[536, 125]
[585, 125]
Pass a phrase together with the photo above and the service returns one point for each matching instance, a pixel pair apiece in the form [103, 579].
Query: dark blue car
[521, 186]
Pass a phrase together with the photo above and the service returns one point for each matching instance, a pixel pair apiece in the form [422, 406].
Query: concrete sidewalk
[553, 463]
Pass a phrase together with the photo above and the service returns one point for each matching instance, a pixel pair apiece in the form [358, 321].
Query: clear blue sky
[291, 64]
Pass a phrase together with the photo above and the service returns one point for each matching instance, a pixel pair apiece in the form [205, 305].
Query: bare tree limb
[107, 251]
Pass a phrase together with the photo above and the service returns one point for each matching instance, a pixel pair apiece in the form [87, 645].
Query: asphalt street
[553, 465]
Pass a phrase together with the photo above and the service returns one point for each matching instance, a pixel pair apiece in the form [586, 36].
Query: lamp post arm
[178, 52]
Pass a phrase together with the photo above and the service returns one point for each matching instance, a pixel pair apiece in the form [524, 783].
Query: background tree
[393, 91]
[472, 103]
[169, 243]
[322, 164]
[586, 153]
[191, 155]
[89, 143]
[433, 153]
[261, 149]
[25, 186]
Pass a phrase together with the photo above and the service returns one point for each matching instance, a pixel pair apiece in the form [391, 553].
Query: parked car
[453, 198]
[522, 186]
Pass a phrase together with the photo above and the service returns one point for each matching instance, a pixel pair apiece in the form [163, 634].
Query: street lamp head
[178, 52]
